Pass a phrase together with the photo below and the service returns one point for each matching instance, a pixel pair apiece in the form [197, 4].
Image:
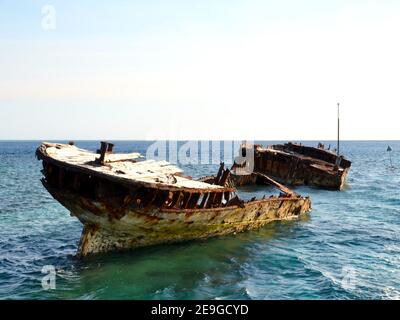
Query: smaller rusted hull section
[295, 165]
[307, 177]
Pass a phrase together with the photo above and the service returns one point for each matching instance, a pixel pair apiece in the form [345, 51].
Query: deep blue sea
[348, 247]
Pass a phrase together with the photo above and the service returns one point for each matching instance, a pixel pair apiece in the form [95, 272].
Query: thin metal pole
[338, 128]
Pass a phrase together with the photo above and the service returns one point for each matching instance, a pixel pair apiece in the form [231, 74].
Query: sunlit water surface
[346, 248]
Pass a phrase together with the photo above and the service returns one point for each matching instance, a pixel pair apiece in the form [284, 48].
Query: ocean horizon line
[179, 140]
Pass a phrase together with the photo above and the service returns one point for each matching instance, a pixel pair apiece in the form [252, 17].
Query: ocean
[347, 248]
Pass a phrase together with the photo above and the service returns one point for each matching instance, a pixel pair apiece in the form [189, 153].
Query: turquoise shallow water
[347, 248]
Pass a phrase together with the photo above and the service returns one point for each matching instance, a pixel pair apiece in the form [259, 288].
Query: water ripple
[347, 248]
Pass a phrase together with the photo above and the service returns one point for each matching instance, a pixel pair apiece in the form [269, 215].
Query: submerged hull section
[110, 227]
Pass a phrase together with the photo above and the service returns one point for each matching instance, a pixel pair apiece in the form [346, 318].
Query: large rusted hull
[125, 204]
[296, 165]
[136, 227]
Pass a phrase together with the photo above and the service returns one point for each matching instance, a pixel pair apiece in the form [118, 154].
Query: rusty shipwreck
[292, 164]
[126, 202]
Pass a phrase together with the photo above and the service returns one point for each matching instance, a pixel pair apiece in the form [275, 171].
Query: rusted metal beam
[224, 177]
[193, 200]
[216, 201]
[210, 200]
[103, 150]
[227, 196]
[175, 199]
[203, 201]
[272, 182]
[186, 200]
[219, 174]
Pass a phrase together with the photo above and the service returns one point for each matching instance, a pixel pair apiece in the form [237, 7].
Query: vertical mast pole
[338, 128]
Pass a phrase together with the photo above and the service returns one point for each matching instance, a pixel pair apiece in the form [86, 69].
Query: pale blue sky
[200, 69]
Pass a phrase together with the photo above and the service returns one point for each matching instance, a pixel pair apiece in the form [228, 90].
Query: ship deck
[124, 168]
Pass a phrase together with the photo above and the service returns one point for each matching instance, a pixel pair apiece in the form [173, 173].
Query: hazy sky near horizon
[237, 69]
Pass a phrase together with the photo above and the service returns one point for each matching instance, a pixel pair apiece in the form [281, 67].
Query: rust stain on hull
[138, 228]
